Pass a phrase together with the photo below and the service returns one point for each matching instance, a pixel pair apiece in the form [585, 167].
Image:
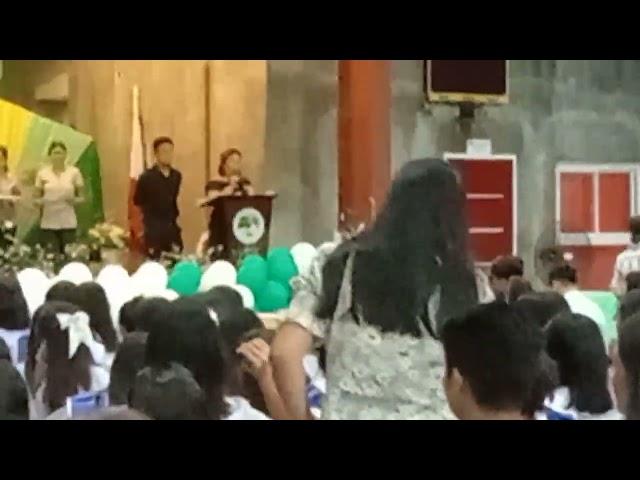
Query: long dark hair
[541, 307]
[14, 312]
[575, 343]
[64, 376]
[62, 291]
[629, 352]
[93, 300]
[190, 337]
[225, 301]
[417, 244]
[146, 313]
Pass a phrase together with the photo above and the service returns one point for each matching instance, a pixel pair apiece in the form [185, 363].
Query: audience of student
[574, 342]
[14, 320]
[168, 393]
[564, 280]
[64, 357]
[503, 269]
[626, 368]
[129, 360]
[494, 364]
[394, 309]
[541, 307]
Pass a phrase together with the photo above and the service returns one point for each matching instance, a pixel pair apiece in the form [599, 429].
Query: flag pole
[207, 121]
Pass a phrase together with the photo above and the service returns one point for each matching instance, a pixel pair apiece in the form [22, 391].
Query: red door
[593, 211]
[489, 187]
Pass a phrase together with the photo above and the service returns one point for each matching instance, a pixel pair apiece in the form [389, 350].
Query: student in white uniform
[626, 368]
[58, 189]
[14, 320]
[564, 280]
[64, 356]
[627, 261]
[574, 343]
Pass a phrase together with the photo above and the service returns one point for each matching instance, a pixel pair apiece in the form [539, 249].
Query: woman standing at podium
[229, 181]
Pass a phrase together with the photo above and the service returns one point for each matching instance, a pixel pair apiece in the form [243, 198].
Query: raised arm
[288, 349]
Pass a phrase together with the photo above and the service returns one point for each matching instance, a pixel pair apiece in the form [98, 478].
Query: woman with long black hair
[387, 294]
[575, 344]
[63, 352]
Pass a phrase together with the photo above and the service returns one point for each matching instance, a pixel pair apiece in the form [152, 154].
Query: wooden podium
[239, 226]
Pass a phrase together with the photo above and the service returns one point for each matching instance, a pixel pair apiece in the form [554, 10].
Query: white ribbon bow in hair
[79, 330]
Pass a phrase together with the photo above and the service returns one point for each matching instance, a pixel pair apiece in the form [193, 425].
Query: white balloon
[248, 300]
[35, 285]
[168, 294]
[303, 254]
[219, 273]
[75, 272]
[118, 287]
[112, 275]
[151, 278]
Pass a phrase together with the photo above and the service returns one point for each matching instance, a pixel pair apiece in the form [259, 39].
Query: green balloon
[281, 266]
[185, 278]
[254, 275]
[251, 259]
[272, 298]
[187, 265]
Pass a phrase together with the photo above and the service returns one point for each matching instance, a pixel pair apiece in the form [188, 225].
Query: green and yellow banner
[27, 136]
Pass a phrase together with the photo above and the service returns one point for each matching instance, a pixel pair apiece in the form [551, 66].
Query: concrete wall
[302, 149]
[20, 79]
[560, 110]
